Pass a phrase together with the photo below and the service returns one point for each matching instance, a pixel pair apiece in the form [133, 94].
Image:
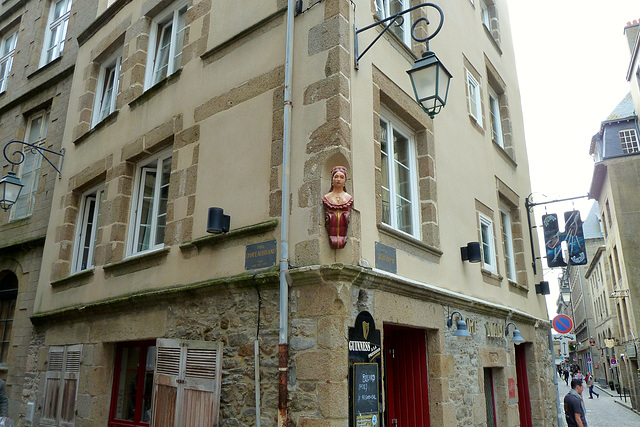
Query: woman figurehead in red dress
[337, 208]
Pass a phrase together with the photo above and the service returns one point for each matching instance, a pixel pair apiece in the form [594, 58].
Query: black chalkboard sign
[366, 393]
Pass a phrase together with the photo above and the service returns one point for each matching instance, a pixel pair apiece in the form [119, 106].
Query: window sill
[136, 262]
[76, 279]
[152, 90]
[111, 118]
[388, 230]
[505, 154]
[517, 285]
[495, 42]
[44, 67]
[476, 124]
[490, 277]
[214, 239]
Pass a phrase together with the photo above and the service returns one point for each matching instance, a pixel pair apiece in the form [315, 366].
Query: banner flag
[573, 235]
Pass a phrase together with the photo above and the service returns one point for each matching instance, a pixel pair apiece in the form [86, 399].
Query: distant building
[616, 153]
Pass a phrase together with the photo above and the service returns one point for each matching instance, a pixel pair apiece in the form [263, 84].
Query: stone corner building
[173, 107]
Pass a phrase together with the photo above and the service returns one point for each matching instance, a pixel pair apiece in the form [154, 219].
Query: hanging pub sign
[365, 368]
[573, 235]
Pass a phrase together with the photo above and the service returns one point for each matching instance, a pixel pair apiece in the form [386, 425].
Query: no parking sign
[562, 324]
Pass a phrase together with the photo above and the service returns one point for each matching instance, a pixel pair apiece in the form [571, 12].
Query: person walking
[566, 376]
[574, 410]
[590, 384]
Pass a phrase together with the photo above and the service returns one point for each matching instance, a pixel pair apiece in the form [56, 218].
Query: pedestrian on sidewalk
[574, 410]
[590, 385]
[566, 376]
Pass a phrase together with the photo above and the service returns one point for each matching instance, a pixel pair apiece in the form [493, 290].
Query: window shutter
[70, 385]
[187, 383]
[53, 380]
[61, 385]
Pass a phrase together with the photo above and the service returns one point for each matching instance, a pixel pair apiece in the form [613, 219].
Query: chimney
[631, 31]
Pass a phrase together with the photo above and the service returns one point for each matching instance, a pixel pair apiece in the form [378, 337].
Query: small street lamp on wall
[10, 185]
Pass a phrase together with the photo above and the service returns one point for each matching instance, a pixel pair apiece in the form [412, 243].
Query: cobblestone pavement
[602, 411]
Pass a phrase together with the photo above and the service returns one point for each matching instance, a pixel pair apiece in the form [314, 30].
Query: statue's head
[338, 169]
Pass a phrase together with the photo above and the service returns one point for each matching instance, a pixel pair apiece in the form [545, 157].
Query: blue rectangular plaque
[386, 258]
[261, 255]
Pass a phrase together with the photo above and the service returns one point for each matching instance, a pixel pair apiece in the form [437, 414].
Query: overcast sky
[572, 57]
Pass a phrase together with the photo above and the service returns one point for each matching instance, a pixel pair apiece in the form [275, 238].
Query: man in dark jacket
[574, 410]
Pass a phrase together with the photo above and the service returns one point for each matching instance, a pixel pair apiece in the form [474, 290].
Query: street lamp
[10, 185]
[429, 77]
[565, 292]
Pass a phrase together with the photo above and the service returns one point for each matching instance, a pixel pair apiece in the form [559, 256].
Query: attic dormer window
[629, 141]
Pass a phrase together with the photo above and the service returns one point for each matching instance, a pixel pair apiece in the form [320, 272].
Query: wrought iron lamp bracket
[389, 21]
[34, 149]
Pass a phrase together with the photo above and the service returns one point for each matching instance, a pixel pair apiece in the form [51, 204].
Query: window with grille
[402, 27]
[149, 205]
[30, 168]
[488, 243]
[399, 180]
[475, 106]
[7, 49]
[165, 43]
[107, 89]
[86, 232]
[56, 32]
[629, 141]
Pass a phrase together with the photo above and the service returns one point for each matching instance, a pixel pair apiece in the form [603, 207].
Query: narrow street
[603, 411]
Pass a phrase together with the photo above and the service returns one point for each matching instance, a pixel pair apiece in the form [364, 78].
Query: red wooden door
[524, 404]
[407, 390]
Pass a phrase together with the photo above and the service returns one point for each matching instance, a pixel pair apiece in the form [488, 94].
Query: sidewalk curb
[615, 396]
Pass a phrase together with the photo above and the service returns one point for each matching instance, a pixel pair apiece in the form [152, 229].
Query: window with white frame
[149, 205]
[475, 106]
[488, 243]
[486, 16]
[507, 238]
[107, 89]
[489, 14]
[401, 28]
[399, 179]
[56, 31]
[496, 118]
[86, 230]
[165, 43]
[7, 49]
[629, 141]
[30, 168]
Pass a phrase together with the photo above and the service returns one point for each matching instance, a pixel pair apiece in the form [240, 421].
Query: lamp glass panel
[424, 81]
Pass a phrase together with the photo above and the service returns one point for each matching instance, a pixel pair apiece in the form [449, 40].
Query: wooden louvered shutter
[55, 363]
[69, 390]
[187, 383]
[61, 385]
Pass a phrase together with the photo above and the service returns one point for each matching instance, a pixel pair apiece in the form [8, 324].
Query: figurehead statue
[337, 208]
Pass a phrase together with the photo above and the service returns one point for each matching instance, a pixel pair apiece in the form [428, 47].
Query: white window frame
[629, 141]
[107, 89]
[475, 104]
[496, 118]
[86, 230]
[156, 212]
[56, 31]
[29, 173]
[403, 31]
[7, 49]
[507, 236]
[169, 17]
[486, 15]
[487, 241]
[394, 125]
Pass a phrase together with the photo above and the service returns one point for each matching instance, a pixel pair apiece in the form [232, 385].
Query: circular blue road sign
[562, 324]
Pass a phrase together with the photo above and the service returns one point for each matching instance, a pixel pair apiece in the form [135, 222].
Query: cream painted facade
[210, 133]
